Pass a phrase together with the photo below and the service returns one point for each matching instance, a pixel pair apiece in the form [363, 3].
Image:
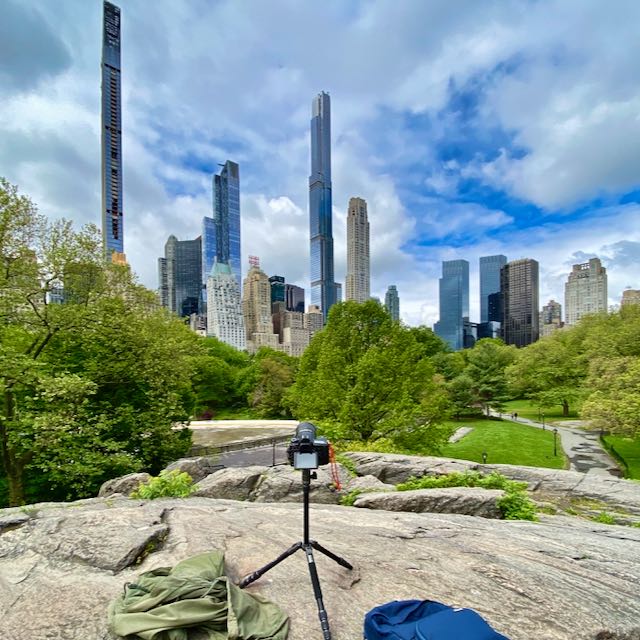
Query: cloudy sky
[471, 128]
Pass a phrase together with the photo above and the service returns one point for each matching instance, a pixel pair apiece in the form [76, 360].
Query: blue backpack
[426, 620]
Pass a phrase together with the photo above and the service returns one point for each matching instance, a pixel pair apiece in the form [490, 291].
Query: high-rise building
[392, 302]
[277, 289]
[313, 320]
[181, 269]
[454, 303]
[630, 296]
[585, 290]
[357, 281]
[294, 298]
[519, 288]
[489, 283]
[226, 207]
[111, 136]
[224, 307]
[323, 286]
[209, 237]
[256, 309]
[550, 318]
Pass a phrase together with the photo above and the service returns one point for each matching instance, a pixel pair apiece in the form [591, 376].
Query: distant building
[313, 320]
[454, 303]
[358, 279]
[630, 296]
[392, 302]
[256, 309]
[180, 275]
[209, 239]
[277, 289]
[489, 283]
[294, 298]
[585, 291]
[224, 307]
[550, 318]
[519, 282]
[292, 333]
[111, 136]
[226, 208]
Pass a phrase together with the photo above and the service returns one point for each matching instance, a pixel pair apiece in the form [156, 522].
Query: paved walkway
[582, 447]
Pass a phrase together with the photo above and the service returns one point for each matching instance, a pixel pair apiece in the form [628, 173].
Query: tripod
[307, 546]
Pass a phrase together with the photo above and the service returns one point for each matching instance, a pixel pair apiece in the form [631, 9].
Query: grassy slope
[629, 450]
[506, 443]
[527, 409]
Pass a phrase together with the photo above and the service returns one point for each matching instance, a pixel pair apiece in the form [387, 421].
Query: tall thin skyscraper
[209, 253]
[519, 285]
[181, 270]
[358, 281]
[323, 286]
[489, 282]
[112, 219]
[392, 302]
[454, 303]
[226, 204]
[585, 291]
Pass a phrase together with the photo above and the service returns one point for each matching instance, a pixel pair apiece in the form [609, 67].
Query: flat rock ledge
[559, 579]
[464, 500]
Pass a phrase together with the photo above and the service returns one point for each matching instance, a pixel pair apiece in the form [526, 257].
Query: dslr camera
[306, 449]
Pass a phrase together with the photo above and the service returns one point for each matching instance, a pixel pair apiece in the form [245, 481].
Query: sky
[470, 128]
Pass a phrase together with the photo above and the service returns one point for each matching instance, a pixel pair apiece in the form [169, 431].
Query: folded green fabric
[194, 599]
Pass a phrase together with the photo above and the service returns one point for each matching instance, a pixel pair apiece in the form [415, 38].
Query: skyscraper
[357, 283]
[489, 282]
[294, 298]
[277, 289]
[585, 290]
[550, 318]
[111, 136]
[454, 303]
[630, 296]
[392, 302]
[256, 309]
[181, 269]
[209, 237]
[519, 289]
[226, 205]
[323, 287]
[224, 307]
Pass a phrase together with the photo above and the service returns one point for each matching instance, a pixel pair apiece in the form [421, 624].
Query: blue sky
[470, 128]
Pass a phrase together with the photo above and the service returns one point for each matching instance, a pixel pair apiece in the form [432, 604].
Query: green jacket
[194, 599]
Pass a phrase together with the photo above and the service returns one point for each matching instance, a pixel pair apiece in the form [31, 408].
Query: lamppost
[484, 457]
[543, 427]
[555, 442]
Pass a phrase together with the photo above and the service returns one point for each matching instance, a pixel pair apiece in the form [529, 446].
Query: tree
[462, 395]
[550, 371]
[275, 372]
[487, 364]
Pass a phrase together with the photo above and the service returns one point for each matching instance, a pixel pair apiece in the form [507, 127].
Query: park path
[582, 447]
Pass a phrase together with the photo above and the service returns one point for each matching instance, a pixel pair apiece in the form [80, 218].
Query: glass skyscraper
[489, 283]
[226, 214]
[519, 287]
[112, 227]
[181, 270]
[323, 286]
[392, 302]
[454, 303]
[209, 252]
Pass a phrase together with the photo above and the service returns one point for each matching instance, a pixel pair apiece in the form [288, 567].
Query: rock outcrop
[559, 579]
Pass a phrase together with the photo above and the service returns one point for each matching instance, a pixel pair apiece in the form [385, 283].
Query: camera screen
[305, 460]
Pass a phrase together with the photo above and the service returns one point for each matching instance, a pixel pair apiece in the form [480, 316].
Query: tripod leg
[341, 561]
[252, 577]
[317, 592]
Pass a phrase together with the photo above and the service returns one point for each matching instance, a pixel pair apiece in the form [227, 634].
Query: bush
[349, 499]
[169, 484]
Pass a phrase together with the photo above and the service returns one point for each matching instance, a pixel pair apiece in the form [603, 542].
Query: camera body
[306, 449]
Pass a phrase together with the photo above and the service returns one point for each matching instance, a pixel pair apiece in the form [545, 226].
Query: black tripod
[307, 546]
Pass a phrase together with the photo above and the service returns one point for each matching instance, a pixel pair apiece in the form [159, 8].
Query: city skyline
[518, 144]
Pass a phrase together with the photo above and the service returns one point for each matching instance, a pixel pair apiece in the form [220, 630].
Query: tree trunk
[565, 408]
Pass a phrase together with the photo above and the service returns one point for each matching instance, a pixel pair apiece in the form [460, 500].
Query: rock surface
[124, 485]
[198, 468]
[464, 500]
[560, 579]
[367, 483]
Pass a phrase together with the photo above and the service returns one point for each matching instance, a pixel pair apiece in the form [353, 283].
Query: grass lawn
[530, 410]
[628, 450]
[505, 443]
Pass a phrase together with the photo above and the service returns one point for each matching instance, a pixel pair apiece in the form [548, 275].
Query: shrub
[349, 499]
[169, 484]
[604, 518]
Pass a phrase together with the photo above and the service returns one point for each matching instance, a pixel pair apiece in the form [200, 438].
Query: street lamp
[484, 457]
[543, 422]
[555, 442]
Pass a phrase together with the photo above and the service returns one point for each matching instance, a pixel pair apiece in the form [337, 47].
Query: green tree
[487, 364]
[275, 372]
[462, 394]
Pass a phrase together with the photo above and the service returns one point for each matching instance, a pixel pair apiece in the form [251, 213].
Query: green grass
[505, 443]
[530, 410]
[628, 450]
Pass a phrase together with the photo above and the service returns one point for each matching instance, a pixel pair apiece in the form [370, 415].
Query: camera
[307, 450]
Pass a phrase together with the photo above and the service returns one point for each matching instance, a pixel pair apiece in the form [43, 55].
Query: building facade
[323, 286]
[111, 136]
[550, 318]
[277, 289]
[630, 296]
[226, 214]
[256, 309]
[489, 283]
[392, 302]
[519, 283]
[454, 303]
[224, 307]
[585, 291]
[180, 275]
[358, 278]
[209, 236]
[294, 298]
[313, 320]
